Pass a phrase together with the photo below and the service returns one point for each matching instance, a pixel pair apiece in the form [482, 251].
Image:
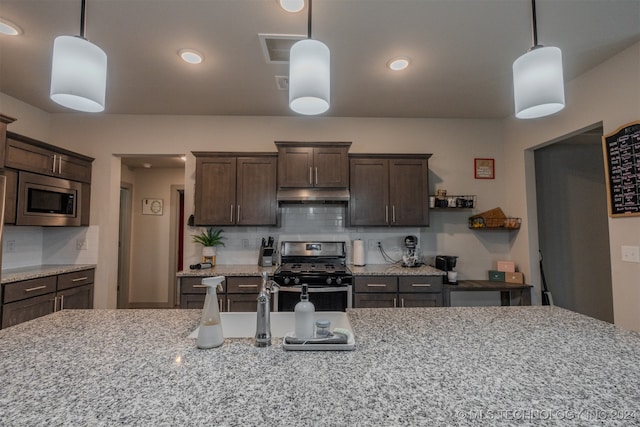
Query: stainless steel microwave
[48, 201]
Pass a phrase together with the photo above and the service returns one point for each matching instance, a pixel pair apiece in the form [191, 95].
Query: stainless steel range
[321, 266]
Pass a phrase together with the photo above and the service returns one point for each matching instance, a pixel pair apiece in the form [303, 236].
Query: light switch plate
[631, 253]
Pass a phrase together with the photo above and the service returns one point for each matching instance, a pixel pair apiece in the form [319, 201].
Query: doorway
[124, 238]
[573, 229]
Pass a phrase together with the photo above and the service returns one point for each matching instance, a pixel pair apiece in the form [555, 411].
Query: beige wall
[608, 94]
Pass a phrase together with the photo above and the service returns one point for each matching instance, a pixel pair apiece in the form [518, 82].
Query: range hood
[313, 195]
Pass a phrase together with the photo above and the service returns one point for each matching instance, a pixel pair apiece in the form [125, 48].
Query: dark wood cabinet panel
[256, 191]
[239, 293]
[76, 278]
[375, 284]
[420, 284]
[389, 190]
[375, 300]
[369, 199]
[27, 309]
[79, 297]
[232, 190]
[421, 300]
[242, 302]
[244, 285]
[313, 165]
[10, 196]
[215, 195]
[192, 301]
[29, 288]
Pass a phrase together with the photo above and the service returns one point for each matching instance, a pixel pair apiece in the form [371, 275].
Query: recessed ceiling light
[9, 28]
[397, 64]
[291, 5]
[191, 56]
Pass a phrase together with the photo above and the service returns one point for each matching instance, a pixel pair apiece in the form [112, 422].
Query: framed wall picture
[484, 168]
[152, 206]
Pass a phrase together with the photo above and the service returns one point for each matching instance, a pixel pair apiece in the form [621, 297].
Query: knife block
[265, 257]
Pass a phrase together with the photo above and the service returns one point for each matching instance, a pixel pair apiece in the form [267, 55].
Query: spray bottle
[210, 331]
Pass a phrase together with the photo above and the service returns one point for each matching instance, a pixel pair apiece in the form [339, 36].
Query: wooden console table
[507, 290]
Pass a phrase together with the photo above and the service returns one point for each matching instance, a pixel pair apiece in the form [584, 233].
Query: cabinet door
[215, 195]
[369, 200]
[375, 300]
[192, 301]
[23, 156]
[331, 167]
[408, 192]
[10, 196]
[295, 167]
[74, 168]
[80, 297]
[27, 309]
[242, 302]
[421, 300]
[256, 191]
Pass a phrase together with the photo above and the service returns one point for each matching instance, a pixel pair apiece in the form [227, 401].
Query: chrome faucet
[263, 312]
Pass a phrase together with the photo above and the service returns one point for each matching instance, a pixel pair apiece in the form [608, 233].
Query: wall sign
[151, 206]
[621, 151]
[484, 168]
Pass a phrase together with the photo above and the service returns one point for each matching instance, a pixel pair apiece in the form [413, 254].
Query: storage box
[514, 277]
[496, 276]
[508, 266]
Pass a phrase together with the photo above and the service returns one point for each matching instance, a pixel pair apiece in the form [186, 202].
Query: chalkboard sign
[622, 166]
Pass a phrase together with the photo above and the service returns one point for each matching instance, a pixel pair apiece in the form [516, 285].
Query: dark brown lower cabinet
[239, 293]
[29, 299]
[397, 291]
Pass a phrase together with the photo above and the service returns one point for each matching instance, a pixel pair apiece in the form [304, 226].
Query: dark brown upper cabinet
[235, 189]
[313, 164]
[389, 190]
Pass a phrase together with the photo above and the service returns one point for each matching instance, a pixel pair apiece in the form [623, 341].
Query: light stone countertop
[35, 272]
[508, 366]
[368, 270]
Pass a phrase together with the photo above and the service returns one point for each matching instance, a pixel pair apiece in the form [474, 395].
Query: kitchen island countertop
[418, 366]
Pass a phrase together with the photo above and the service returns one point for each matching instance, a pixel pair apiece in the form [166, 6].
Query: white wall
[608, 94]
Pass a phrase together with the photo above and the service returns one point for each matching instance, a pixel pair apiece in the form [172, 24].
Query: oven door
[324, 298]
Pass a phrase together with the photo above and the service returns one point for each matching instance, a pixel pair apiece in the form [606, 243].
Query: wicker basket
[494, 219]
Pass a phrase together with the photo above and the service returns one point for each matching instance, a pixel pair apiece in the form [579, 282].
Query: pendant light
[538, 83]
[309, 75]
[78, 72]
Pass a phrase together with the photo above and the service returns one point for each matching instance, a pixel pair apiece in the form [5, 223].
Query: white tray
[350, 345]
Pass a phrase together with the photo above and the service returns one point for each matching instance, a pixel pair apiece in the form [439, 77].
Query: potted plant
[209, 239]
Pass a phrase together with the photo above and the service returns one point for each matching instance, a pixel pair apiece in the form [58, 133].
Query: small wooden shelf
[462, 203]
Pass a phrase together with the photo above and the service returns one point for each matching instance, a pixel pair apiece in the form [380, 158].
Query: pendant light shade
[538, 83]
[309, 77]
[78, 74]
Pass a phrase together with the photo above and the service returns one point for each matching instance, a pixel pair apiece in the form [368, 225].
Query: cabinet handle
[61, 302]
[393, 214]
[220, 305]
[316, 176]
[247, 286]
[53, 169]
[310, 175]
[376, 285]
[55, 304]
[386, 214]
[199, 286]
[229, 304]
[60, 165]
[421, 285]
[80, 279]
[402, 302]
[395, 303]
[238, 215]
[37, 288]
[231, 220]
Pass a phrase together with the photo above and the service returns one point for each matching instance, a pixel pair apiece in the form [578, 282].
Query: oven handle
[314, 290]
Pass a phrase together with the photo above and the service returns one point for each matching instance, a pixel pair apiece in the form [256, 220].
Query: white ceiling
[461, 51]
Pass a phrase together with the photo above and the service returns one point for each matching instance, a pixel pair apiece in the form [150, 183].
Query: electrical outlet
[82, 245]
[631, 253]
[10, 245]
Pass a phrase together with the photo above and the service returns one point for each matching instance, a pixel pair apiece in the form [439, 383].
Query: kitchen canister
[358, 253]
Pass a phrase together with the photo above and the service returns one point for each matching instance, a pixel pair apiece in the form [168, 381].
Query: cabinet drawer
[29, 288]
[243, 285]
[193, 285]
[372, 300]
[420, 284]
[76, 278]
[423, 299]
[376, 284]
[28, 309]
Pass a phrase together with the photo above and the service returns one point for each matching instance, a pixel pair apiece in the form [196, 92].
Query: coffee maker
[446, 263]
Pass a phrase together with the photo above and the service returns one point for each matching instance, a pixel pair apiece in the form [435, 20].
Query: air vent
[275, 47]
[282, 82]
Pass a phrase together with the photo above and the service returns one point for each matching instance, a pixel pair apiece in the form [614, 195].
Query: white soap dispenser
[304, 315]
[210, 331]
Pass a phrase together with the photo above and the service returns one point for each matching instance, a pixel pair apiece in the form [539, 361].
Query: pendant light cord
[308, 23]
[83, 18]
[534, 24]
